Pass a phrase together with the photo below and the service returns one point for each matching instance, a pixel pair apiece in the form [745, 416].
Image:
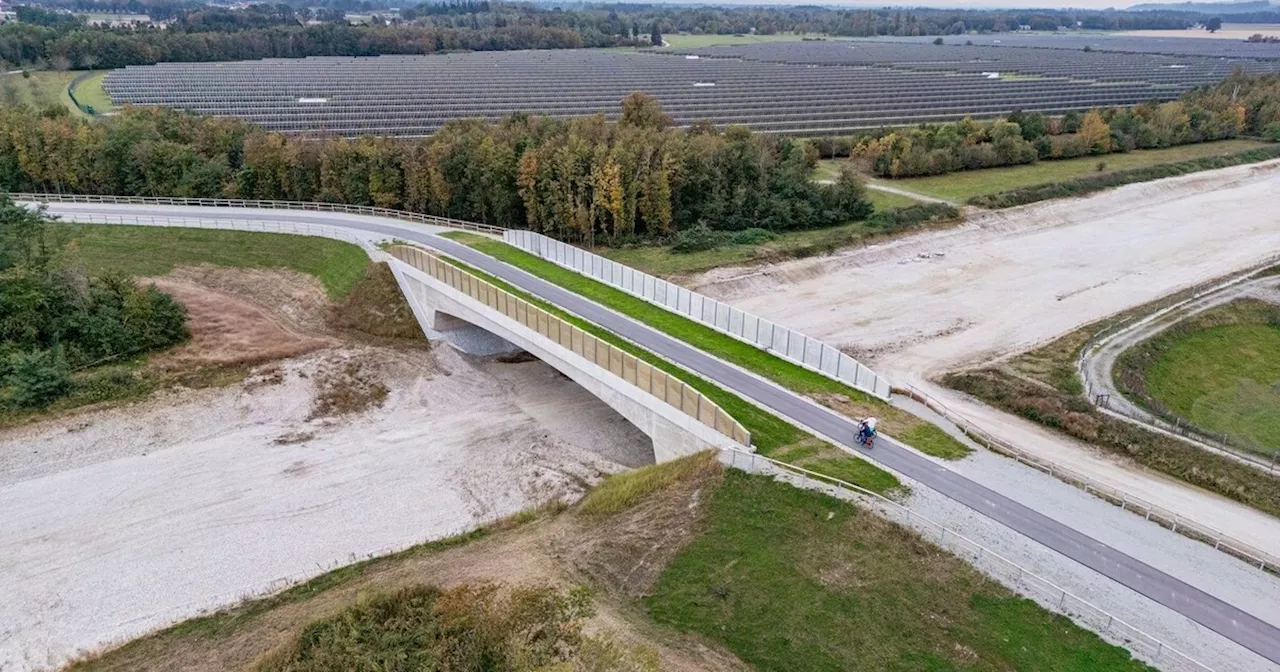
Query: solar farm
[799, 88]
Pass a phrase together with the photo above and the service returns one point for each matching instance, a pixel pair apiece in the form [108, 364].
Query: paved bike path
[1233, 623]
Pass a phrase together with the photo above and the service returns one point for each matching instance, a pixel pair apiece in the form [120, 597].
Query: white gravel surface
[123, 521]
[1013, 279]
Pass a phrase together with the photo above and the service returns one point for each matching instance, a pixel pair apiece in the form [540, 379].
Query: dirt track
[1009, 280]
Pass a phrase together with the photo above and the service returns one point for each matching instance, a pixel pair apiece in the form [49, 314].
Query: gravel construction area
[122, 521]
[1009, 280]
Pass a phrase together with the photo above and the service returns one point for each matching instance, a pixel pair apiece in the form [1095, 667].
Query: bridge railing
[775, 339]
[415, 217]
[631, 369]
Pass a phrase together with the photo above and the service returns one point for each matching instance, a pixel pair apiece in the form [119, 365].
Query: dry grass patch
[347, 387]
[376, 307]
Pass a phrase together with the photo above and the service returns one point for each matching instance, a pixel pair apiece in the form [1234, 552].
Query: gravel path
[1099, 361]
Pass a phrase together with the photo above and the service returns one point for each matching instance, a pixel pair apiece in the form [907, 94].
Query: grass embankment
[960, 187]
[784, 578]
[771, 436]
[847, 400]
[1042, 386]
[1220, 370]
[790, 579]
[91, 93]
[152, 251]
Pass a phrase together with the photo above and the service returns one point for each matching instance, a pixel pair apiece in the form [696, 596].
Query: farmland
[773, 86]
[959, 187]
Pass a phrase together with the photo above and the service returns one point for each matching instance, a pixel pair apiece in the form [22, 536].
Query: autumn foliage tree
[583, 179]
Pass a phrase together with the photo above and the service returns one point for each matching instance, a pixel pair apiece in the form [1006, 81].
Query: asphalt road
[1207, 610]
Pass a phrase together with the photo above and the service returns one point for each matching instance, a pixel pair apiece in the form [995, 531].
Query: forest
[46, 37]
[581, 179]
[1241, 105]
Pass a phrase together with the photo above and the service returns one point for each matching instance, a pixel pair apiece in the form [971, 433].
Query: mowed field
[1224, 378]
[47, 88]
[961, 186]
[146, 251]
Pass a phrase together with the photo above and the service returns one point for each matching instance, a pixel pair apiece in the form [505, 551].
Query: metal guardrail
[1220, 541]
[1002, 569]
[373, 211]
[631, 369]
[775, 339]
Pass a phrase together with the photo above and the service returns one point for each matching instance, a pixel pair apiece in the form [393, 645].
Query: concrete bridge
[677, 418]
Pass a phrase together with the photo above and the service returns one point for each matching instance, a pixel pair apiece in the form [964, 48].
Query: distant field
[697, 41]
[41, 90]
[959, 187]
[49, 87]
[1229, 31]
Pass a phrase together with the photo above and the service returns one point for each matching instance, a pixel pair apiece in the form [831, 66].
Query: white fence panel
[790, 345]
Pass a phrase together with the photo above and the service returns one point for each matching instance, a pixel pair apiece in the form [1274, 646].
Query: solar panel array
[800, 88]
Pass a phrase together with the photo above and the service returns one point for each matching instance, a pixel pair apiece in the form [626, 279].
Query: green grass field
[791, 376]
[795, 581]
[90, 92]
[152, 251]
[960, 187]
[47, 88]
[1225, 379]
[695, 41]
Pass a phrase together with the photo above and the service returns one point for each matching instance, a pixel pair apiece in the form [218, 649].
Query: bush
[697, 239]
[1102, 165]
[37, 379]
[899, 219]
[754, 236]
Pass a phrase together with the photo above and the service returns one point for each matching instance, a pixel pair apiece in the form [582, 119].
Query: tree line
[582, 179]
[198, 32]
[1240, 105]
[55, 319]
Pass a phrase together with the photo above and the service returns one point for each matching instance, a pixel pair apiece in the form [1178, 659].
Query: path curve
[1097, 364]
[1207, 610]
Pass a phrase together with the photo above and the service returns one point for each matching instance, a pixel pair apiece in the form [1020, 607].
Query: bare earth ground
[615, 553]
[1009, 280]
[119, 521]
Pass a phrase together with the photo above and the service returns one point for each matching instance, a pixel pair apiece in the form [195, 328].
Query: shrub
[1102, 165]
[754, 236]
[898, 219]
[699, 238]
[37, 379]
